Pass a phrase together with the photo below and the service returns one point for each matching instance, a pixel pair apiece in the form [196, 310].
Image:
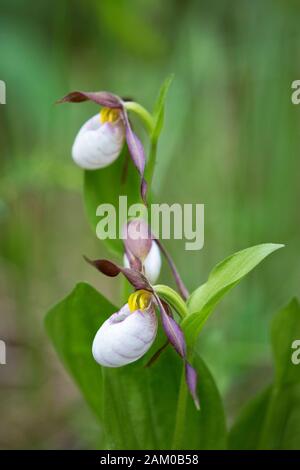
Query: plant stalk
[173, 298]
[180, 413]
[142, 113]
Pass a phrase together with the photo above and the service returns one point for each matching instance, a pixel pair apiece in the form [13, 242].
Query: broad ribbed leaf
[72, 325]
[281, 428]
[245, 433]
[222, 278]
[275, 413]
[205, 429]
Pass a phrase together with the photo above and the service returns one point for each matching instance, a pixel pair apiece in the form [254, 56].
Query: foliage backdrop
[230, 141]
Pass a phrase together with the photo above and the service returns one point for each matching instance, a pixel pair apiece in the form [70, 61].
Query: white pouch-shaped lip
[125, 337]
[97, 144]
[152, 263]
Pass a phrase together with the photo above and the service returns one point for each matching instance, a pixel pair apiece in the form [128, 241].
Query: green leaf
[285, 329]
[135, 405]
[245, 433]
[158, 119]
[104, 186]
[159, 107]
[72, 325]
[223, 277]
[281, 428]
[205, 429]
[275, 414]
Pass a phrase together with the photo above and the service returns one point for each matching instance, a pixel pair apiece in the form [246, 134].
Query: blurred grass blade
[159, 107]
[222, 278]
[158, 119]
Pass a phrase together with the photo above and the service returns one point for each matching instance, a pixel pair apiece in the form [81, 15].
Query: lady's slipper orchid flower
[100, 140]
[128, 334]
[141, 248]
[119, 340]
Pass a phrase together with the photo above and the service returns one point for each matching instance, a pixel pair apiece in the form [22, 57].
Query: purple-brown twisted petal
[179, 282]
[136, 279]
[191, 380]
[103, 98]
[176, 337]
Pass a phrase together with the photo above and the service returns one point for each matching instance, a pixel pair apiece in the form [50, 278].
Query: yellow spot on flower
[109, 115]
[139, 300]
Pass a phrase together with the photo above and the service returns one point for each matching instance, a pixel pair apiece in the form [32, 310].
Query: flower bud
[99, 141]
[137, 238]
[125, 337]
[139, 243]
[151, 264]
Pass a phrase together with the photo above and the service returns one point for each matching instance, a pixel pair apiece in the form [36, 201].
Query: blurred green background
[230, 141]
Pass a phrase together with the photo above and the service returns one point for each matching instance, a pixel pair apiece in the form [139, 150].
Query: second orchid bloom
[129, 333]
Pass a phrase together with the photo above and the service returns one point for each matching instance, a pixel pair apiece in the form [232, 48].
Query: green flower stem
[142, 113]
[151, 161]
[173, 298]
[180, 413]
